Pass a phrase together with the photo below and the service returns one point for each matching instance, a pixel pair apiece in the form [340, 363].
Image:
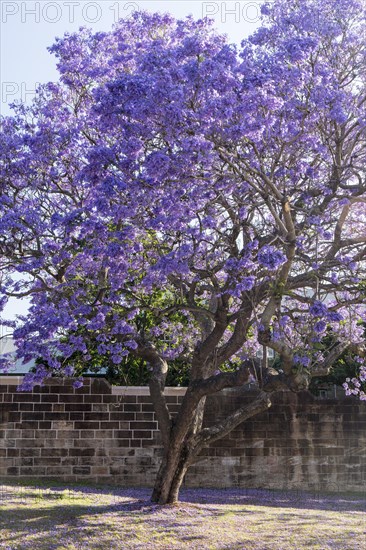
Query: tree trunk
[171, 474]
[178, 457]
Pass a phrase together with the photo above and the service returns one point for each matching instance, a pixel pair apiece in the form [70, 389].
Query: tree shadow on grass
[277, 498]
[45, 525]
[137, 499]
[40, 517]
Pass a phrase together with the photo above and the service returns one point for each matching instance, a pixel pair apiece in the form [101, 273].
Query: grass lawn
[55, 516]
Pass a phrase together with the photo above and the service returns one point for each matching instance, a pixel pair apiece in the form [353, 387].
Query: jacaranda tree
[231, 180]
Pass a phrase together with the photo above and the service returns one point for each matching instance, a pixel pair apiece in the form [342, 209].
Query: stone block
[10, 434]
[34, 416]
[81, 470]
[55, 452]
[143, 425]
[149, 416]
[123, 416]
[96, 416]
[100, 470]
[129, 398]
[67, 434]
[61, 389]
[6, 443]
[110, 425]
[32, 471]
[44, 425]
[35, 451]
[52, 398]
[82, 452]
[69, 461]
[92, 398]
[77, 407]
[70, 398]
[26, 407]
[83, 425]
[87, 434]
[100, 385]
[134, 442]
[28, 443]
[85, 443]
[132, 407]
[47, 461]
[147, 407]
[114, 399]
[89, 460]
[62, 425]
[76, 416]
[142, 434]
[58, 416]
[44, 434]
[57, 470]
[28, 398]
[110, 443]
[100, 407]
[122, 434]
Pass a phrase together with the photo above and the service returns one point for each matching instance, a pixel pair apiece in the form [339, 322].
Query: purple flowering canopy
[232, 179]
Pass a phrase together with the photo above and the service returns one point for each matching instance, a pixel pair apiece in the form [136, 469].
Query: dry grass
[73, 517]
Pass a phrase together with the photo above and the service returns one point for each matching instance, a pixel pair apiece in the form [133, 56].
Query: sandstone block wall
[109, 434]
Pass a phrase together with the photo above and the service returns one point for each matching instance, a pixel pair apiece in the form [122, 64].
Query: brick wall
[110, 435]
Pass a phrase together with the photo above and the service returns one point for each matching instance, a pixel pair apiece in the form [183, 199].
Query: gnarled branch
[208, 435]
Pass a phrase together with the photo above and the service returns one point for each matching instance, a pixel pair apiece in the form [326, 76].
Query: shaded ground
[73, 517]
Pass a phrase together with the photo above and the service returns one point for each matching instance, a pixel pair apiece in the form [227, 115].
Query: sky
[27, 28]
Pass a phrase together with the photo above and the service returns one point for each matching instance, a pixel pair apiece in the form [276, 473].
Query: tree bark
[170, 476]
[179, 454]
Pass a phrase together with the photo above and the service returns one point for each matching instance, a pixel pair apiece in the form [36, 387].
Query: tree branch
[218, 382]
[156, 384]
[323, 368]
[238, 338]
[208, 435]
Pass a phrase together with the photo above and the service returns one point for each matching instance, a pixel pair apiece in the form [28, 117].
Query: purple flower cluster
[246, 284]
[320, 326]
[357, 384]
[303, 360]
[318, 309]
[270, 257]
[78, 383]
